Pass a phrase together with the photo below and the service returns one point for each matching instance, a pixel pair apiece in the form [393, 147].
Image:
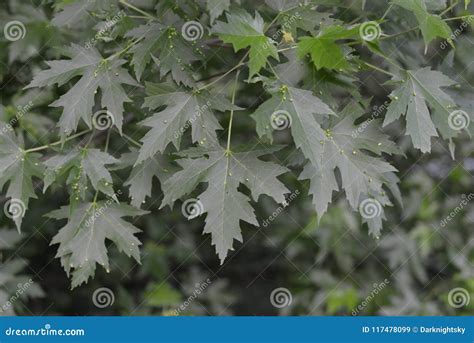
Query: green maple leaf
[17, 168]
[224, 172]
[141, 176]
[11, 276]
[216, 8]
[80, 12]
[96, 73]
[418, 89]
[363, 176]
[78, 166]
[82, 240]
[431, 25]
[302, 112]
[323, 49]
[242, 31]
[170, 51]
[184, 109]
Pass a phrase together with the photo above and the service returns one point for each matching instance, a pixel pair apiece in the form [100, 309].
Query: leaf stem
[118, 53]
[379, 69]
[146, 14]
[286, 49]
[44, 147]
[240, 63]
[461, 17]
[449, 8]
[386, 12]
[229, 131]
[130, 139]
